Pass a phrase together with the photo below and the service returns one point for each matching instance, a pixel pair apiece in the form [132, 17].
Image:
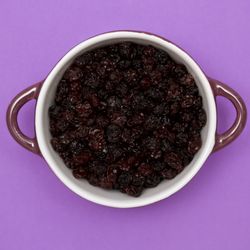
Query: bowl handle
[221, 89]
[16, 104]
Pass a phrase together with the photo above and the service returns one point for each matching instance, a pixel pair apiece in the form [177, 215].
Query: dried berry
[124, 179]
[145, 169]
[113, 133]
[173, 160]
[83, 109]
[194, 145]
[169, 173]
[80, 173]
[126, 116]
[152, 180]
[73, 74]
[118, 119]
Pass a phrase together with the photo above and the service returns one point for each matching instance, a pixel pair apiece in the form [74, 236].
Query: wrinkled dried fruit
[126, 116]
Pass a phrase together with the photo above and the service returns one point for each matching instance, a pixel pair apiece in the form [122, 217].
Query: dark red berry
[145, 169]
[152, 181]
[84, 109]
[124, 179]
[126, 116]
[118, 119]
[173, 160]
[169, 173]
[73, 74]
[194, 145]
[113, 133]
[80, 173]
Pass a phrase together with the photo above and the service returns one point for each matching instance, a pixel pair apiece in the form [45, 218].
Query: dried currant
[126, 116]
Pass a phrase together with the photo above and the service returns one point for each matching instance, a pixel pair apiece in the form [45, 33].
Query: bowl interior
[115, 198]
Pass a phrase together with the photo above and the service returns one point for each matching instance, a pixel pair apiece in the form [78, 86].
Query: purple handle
[220, 89]
[16, 104]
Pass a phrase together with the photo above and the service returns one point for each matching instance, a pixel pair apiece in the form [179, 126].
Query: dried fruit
[126, 116]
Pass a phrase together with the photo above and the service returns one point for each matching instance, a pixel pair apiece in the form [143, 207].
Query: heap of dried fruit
[126, 116]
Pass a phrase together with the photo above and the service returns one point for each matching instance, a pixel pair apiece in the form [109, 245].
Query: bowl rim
[210, 141]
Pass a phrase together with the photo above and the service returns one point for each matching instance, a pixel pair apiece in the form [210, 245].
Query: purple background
[38, 212]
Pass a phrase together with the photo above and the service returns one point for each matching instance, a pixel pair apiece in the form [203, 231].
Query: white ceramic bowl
[45, 91]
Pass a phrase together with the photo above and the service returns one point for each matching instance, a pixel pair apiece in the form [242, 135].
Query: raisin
[84, 59]
[97, 168]
[124, 179]
[121, 89]
[96, 139]
[57, 146]
[113, 133]
[136, 119]
[54, 111]
[84, 109]
[76, 146]
[187, 101]
[145, 83]
[173, 160]
[145, 169]
[152, 122]
[115, 152]
[80, 173]
[169, 173]
[125, 49]
[114, 102]
[155, 94]
[62, 91]
[126, 116]
[152, 181]
[194, 145]
[151, 143]
[133, 191]
[94, 100]
[158, 166]
[106, 183]
[115, 76]
[73, 74]
[82, 158]
[118, 119]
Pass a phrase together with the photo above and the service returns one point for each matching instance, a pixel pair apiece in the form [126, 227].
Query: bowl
[44, 91]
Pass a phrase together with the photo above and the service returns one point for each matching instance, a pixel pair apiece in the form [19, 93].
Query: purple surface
[38, 212]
